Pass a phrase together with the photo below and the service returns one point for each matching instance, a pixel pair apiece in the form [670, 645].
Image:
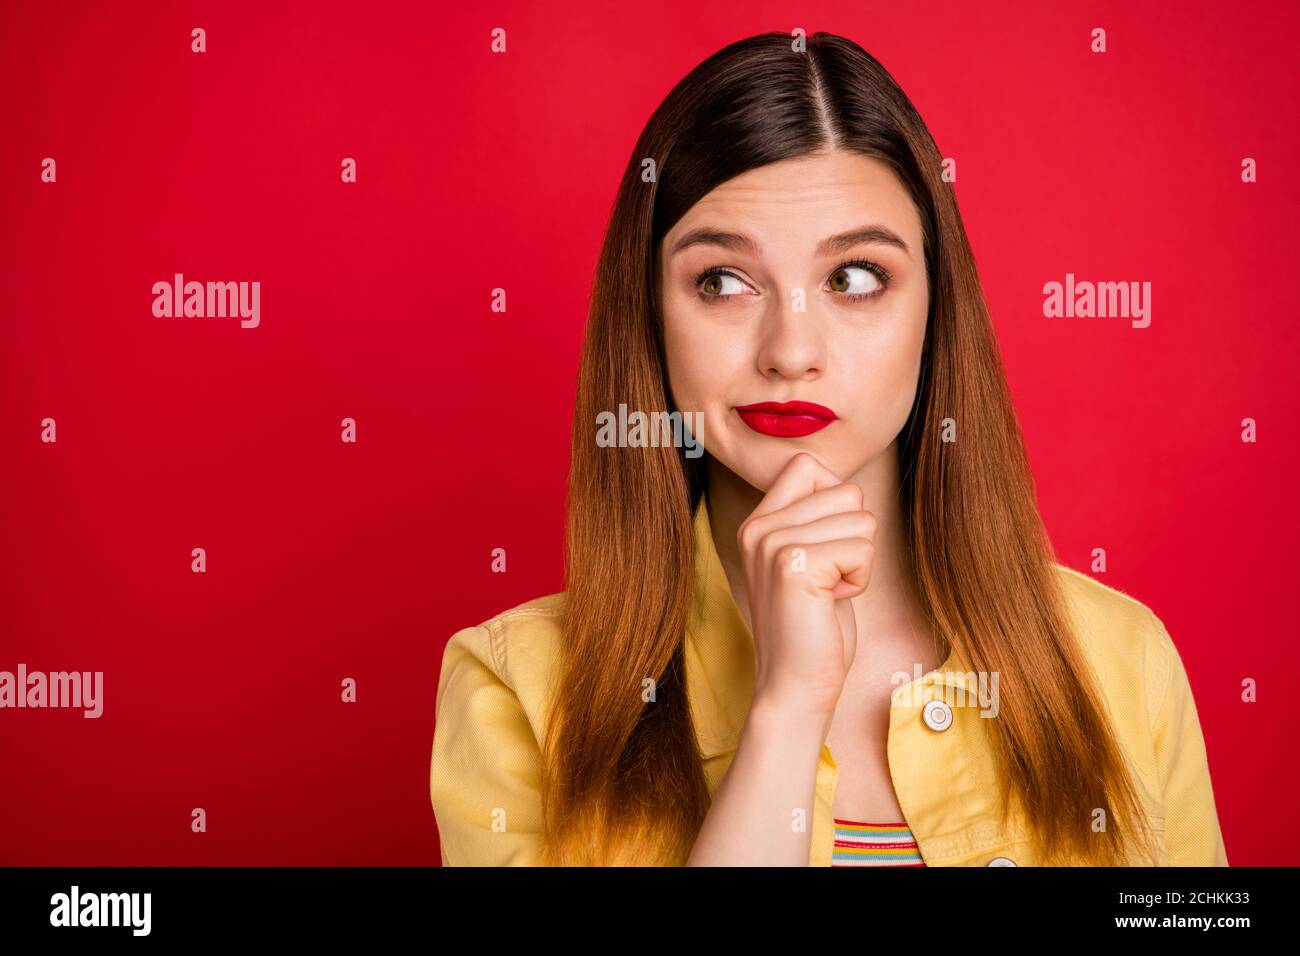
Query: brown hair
[623, 779]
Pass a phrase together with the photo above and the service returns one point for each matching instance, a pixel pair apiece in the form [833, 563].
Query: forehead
[794, 203]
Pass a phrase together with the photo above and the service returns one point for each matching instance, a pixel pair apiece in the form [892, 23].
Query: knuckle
[784, 558]
[745, 535]
[751, 534]
[848, 496]
[770, 548]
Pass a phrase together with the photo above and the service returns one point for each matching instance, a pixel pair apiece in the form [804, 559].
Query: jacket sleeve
[1192, 834]
[484, 773]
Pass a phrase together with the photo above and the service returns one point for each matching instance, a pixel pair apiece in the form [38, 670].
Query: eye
[714, 284]
[859, 280]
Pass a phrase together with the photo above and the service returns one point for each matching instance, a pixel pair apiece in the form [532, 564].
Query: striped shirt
[874, 844]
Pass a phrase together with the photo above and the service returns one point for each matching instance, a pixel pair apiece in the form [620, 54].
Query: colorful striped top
[874, 844]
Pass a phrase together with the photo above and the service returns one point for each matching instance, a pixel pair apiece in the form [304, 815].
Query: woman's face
[803, 280]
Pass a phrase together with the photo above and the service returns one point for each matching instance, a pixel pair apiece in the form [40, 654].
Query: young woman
[720, 681]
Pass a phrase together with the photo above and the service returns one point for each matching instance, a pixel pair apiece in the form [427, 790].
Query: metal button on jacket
[937, 715]
[1002, 861]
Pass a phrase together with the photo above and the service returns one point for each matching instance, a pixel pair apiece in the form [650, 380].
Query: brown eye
[856, 281]
[714, 285]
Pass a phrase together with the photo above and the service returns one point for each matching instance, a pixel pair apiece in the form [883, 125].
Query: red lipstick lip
[786, 419]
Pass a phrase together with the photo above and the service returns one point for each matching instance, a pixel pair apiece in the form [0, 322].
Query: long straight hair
[622, 776]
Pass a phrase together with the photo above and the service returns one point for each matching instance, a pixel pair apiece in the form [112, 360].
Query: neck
[891, 604]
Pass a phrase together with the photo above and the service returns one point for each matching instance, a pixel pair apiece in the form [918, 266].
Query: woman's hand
[806, 549]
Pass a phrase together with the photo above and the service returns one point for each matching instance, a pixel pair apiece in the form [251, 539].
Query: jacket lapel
[719, 650]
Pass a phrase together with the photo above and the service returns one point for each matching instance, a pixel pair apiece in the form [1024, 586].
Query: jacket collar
[720, 654]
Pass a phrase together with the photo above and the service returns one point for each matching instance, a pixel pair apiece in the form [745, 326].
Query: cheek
[683, 376]
[886, 368]
[701, 357]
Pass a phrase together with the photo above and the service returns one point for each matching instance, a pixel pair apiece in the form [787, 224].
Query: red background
[328, 560]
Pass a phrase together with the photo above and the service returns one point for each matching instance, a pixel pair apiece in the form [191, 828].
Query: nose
[792, 343]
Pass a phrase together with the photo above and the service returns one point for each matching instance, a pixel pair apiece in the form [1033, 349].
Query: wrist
[795, 723]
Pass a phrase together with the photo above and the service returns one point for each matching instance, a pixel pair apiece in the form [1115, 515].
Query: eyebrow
[708, 236]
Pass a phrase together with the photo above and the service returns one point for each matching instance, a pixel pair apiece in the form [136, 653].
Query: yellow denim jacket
[492, 702]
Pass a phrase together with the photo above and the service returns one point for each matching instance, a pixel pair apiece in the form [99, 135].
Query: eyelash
[879, 271]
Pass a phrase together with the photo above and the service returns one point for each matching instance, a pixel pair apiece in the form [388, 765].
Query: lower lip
[783, 426]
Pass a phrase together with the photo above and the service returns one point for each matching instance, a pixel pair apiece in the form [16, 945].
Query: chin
[760, 471]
